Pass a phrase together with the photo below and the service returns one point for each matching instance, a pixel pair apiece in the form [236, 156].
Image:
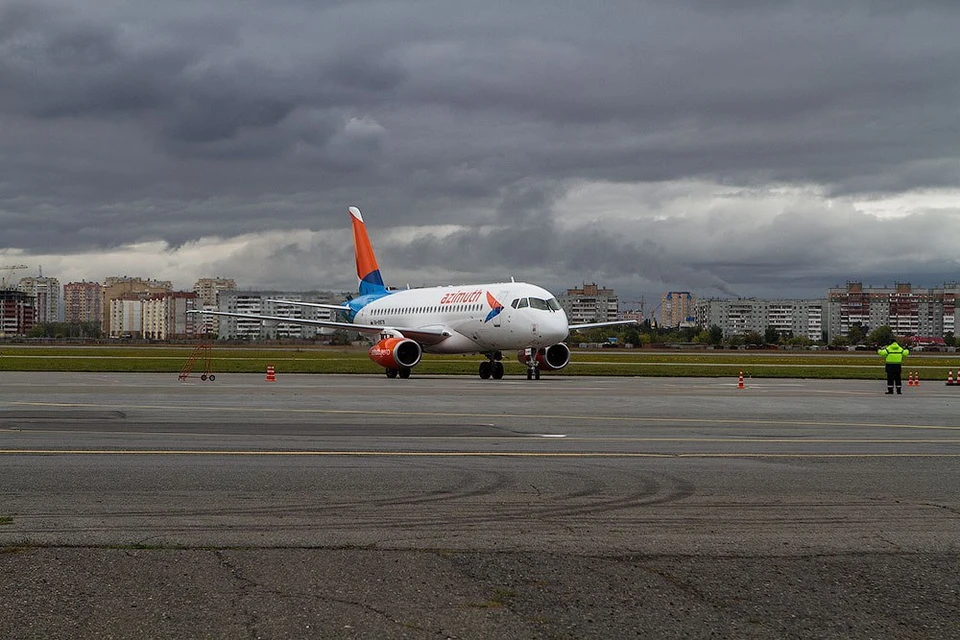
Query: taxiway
[452, 505]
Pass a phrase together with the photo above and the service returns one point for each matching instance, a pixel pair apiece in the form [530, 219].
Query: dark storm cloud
[131, 121]
[57, 64]
[55, 67]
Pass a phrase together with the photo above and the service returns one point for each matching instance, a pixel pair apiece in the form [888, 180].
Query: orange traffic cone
[271, 374]
[740, 381]
[950, 377]
[916, 378]
[910, 379]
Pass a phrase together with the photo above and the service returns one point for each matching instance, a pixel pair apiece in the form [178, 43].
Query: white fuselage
[529, 316]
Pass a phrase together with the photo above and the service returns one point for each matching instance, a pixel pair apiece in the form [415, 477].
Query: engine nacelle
[551, 358]
[396, 353]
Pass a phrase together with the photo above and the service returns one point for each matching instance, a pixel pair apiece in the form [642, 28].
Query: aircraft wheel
[203, 377]
[212, 377]
[536, 373]
[529, 374]
[404, 372]
[485, 370]
[497, 370]
[392, 373]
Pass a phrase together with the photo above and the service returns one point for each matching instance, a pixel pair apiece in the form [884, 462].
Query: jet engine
[396, 353]
[551, 358]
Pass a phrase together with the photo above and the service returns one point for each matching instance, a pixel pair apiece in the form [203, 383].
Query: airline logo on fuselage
[468, 297]
[461, 297]
[495, 307]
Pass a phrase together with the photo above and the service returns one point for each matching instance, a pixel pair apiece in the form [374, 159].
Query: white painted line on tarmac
[463, 454]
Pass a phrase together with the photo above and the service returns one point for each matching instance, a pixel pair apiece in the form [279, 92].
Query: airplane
[485, 319]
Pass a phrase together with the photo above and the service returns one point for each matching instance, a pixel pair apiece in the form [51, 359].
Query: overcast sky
[754, 148]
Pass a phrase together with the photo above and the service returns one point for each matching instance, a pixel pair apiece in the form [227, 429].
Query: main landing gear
[492, 367]
[403, 372]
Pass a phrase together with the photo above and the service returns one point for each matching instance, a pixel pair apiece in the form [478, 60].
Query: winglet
[367, 270]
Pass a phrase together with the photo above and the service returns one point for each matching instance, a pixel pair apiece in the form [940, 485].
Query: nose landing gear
[528, 358]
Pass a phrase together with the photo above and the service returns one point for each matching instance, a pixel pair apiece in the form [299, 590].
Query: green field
[619, 362]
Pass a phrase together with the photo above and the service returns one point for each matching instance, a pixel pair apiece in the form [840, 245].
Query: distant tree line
[63, 330]
[647, 334]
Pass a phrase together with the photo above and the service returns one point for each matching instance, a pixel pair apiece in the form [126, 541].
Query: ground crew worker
[893, 355]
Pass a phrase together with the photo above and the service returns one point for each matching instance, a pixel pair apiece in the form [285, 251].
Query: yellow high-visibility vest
[893, 353]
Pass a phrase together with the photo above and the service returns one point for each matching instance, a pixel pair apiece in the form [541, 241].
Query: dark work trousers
[893, 376]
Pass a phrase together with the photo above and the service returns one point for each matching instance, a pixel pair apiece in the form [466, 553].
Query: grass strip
[230, 359]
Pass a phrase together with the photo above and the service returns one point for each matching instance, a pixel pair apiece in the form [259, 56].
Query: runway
[565, 507]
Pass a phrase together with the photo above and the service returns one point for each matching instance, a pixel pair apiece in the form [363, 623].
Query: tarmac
[443, 506]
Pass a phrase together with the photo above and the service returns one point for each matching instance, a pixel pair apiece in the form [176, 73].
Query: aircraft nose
[557, 328]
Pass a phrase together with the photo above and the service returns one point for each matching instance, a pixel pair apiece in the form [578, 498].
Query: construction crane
[634, 305]
[5, 277]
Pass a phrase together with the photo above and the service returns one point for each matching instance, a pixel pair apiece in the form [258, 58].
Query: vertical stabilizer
[367, 270]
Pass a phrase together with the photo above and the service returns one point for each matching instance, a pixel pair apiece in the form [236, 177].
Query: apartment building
[906, 309]
[590, 304]
[743, 315]
[83, 302]
[126, 288]
[207, 289]
[208, 292]
[166, 315]
[262, 303]
[677, 308]
[47, 297]
[16, 313]
[126, 316]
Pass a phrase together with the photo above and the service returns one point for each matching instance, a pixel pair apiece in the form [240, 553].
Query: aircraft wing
[318, 305]
[424, 335]
[594, 325]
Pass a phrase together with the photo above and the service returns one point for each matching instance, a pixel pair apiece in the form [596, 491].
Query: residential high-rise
[208, 290]
[908, 310]
[46, 293]
[590, 304]
[166, 315]
[117, 287]
[260, 302]
[677, 308]
[742, 315]
[16, 313]
[126, 316]
[83, 302]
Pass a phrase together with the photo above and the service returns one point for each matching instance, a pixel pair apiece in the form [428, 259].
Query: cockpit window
[523, 303]
[538, 303]
[515, 302]
[553, 304]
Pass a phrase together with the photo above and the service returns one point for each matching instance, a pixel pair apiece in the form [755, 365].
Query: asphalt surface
[134, 505]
